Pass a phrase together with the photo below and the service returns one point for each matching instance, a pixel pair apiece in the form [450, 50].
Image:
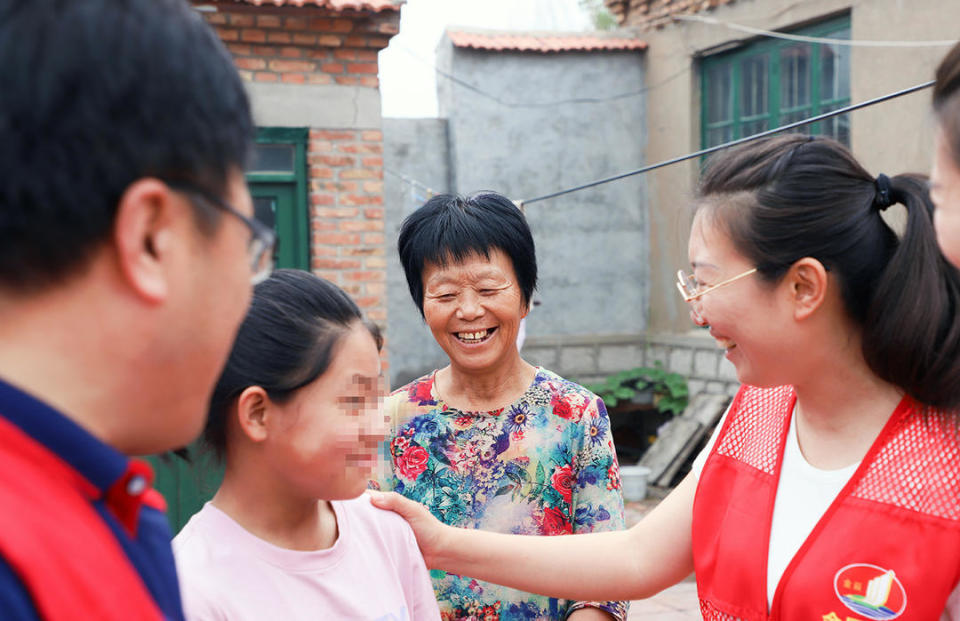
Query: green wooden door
[186, 486]
[277, 184]
[275, 204]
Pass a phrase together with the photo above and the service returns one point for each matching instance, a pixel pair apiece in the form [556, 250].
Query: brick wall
[312, 46]
[346, 198]
[304, 45]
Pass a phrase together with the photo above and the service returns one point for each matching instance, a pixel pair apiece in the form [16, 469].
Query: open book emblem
[870, 591]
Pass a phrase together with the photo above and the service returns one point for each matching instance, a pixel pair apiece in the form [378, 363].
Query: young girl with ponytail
[296, 417]
[830, 490]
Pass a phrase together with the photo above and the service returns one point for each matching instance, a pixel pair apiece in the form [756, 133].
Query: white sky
[407, 79]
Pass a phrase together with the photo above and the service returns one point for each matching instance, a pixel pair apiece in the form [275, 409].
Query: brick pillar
[346, 215]
[304, 45]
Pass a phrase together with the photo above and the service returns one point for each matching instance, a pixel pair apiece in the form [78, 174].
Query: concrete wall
[591, 359]
[416, 149]
[591, 245]
[892, 137]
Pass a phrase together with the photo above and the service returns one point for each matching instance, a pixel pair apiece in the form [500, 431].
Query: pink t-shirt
[373, 572]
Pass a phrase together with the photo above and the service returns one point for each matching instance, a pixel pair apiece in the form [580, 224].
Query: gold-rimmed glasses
[690, 289]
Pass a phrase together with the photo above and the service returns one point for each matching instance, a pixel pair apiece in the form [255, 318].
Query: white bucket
[633, 482]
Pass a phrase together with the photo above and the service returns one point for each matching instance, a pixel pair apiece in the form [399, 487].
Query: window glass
[265, 210]
[772, 82]
[795, 83]
[720, 104]
[276, 158]
[754, 93]
[835, 68]
[835, 85]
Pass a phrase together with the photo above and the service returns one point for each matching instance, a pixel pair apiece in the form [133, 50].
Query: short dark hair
[946, 98]
[788, 197]
[286, 341]
[95, 95]
[450, 227]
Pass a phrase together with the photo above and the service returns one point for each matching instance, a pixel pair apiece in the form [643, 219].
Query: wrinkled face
[324, 440]
[945, 193]
[743, 317]
[474, 308]
[211, 301]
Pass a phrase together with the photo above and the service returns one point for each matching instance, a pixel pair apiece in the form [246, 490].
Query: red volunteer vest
[58, 545]
[887, 548]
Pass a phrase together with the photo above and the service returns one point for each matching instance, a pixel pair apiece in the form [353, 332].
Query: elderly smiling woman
[490, 441]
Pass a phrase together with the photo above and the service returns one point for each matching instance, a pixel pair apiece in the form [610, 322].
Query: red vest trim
[57, 543]
[887, 548]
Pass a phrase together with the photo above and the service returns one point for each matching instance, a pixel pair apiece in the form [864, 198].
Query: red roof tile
[338, 5]
[543, 41]
[656, 13]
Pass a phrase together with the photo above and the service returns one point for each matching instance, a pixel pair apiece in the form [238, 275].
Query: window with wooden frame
[277, 181]
[772, 82]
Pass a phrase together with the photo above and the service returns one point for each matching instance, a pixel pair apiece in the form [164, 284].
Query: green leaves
[667, 391]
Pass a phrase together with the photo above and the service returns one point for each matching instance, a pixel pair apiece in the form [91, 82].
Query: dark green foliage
[668, 390]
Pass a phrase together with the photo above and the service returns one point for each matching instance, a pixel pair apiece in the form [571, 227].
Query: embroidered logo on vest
[870, 591]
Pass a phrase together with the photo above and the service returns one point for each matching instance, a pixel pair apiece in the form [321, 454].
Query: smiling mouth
[472, 338]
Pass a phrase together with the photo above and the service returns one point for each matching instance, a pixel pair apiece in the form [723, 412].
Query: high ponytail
[911, 336]
[788, 197]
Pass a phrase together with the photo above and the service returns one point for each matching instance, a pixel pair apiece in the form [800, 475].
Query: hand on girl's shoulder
[389, 523]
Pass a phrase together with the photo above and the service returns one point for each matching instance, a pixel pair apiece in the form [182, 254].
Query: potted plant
[639, 401]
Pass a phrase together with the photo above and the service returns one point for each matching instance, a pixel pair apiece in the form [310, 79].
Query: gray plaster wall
[417, 150]
[591, 245]
[296, 105]
[544, 122]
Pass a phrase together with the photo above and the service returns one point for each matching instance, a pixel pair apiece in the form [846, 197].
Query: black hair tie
[884, 196]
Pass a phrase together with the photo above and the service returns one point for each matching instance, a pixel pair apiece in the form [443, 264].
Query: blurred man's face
[213, 302]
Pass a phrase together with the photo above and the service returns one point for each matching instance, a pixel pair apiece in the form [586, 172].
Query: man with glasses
[127, 251]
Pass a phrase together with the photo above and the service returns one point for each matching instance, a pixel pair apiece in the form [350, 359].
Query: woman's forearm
[621, 565]
[578, 567]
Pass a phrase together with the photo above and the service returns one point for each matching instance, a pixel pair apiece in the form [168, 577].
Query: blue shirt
[147, 546]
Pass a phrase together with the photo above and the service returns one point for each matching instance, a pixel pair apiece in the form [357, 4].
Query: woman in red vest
[831, 490]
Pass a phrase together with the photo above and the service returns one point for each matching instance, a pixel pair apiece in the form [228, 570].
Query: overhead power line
[830, 41]
[709, 150]
[411, 181]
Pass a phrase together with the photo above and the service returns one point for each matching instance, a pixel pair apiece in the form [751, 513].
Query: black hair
[789, 197]
[93, 96]
[286, 341]
[450, 227]
[946, 98]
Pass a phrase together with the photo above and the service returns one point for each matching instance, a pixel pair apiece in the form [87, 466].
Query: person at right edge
[830, 489]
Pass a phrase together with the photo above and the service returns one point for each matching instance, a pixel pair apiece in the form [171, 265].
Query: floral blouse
[545, 465]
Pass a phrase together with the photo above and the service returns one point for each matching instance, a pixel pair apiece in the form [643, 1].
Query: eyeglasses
[690, 288]
[263, 240]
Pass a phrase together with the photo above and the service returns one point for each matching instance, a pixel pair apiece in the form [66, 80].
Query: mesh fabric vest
[887, 547]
